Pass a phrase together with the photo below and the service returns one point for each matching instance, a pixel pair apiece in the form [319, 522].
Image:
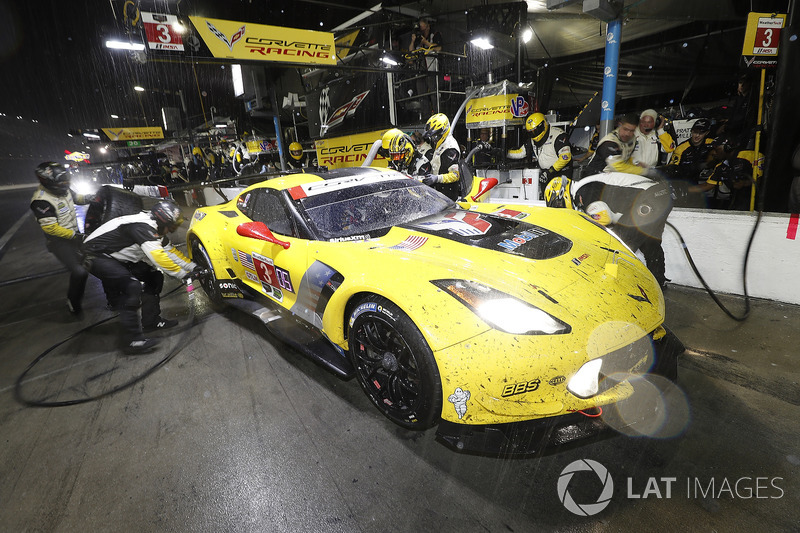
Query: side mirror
[260, 231]
[485, 186]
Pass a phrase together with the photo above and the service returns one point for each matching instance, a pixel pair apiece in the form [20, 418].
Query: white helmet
[603, 214]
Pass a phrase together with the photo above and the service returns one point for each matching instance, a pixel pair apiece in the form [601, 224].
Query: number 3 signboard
[161, 31]
[761, 39]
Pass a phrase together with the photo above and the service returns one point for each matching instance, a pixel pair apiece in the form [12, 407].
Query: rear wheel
[209, 283]
[394, 364]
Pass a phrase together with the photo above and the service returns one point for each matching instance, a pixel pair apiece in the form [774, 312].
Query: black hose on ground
[182, 341]
[744, 272]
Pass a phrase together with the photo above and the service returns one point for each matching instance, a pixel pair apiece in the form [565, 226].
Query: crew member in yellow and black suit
[130, 254]
[548, 146]
[53, 205]
[615, 150]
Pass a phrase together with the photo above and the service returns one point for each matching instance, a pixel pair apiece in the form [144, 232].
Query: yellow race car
[491, 320]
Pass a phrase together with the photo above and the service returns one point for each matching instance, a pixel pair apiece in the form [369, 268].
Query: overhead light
[91, 136]
[178, 27]
[114, 116]
[138, 88]
[527, 35]
[124, 45]
[389, 61]
[220, 126]
[482, 43]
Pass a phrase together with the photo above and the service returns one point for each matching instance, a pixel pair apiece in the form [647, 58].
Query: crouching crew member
[53, 205]
[129, 254]
[636, 206]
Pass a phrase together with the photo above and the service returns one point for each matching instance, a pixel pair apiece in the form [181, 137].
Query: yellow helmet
[558, 194]
[436, 129]
[197, 151]
[399, 146]
[537, 127]
[296, 150]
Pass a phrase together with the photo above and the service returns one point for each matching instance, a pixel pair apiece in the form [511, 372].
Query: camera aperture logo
[585, 509]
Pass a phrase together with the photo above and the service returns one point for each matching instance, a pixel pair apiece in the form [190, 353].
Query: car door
[271, 269]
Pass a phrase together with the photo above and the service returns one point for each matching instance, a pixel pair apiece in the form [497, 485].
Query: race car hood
[575, 272]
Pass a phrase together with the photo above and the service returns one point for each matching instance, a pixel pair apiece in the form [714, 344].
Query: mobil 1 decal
[274, 279]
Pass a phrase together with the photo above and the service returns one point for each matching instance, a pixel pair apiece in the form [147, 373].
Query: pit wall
[717, 241]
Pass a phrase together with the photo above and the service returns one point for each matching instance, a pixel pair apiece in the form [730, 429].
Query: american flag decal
[411, 243]
[246, 260]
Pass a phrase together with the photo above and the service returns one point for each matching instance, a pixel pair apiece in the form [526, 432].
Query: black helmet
[167, 214]
[53, 177]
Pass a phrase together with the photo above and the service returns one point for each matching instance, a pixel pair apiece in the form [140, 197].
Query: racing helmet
[558, 194]
[537, 127]
[53, 177]
[167, 215]
[436, 130]
[399, 146]
[296, 150]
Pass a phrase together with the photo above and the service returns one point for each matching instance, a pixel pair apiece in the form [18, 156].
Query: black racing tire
[394, 364]
[111, 202]
[209, 284]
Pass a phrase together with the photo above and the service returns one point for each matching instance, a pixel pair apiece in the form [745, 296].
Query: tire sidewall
[379, 308]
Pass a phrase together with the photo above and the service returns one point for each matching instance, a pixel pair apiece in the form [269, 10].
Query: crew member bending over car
[636, 206]
[403, 155]
[444, 156]
[53, 205]
[129, 254]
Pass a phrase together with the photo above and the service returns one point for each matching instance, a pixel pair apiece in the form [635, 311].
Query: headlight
[502, 311]
[585, 382]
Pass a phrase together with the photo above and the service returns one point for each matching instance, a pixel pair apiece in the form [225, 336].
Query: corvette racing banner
[133, 134]
[257, 42]
[349, 150]
[497, 104]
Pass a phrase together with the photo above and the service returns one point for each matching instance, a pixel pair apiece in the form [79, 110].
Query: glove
[78, 237]
[431, 179]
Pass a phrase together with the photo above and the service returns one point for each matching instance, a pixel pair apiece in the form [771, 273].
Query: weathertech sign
[133, 134]
[257, 42]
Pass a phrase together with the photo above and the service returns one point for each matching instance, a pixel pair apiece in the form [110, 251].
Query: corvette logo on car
[642, 298]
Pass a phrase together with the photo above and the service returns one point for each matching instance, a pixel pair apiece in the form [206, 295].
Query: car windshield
[371, 210]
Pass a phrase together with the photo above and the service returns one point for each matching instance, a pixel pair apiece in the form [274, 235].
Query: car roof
[339, 175]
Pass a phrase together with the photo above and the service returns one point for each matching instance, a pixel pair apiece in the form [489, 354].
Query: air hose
[182, 341]
[744, 271]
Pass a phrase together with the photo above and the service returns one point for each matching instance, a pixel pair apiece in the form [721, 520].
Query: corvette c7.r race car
[492, 321]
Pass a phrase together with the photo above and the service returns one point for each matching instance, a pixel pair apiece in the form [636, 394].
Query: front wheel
[209, 284]
[394, 364]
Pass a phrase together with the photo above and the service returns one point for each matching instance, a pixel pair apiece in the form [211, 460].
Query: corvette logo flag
[257, 42]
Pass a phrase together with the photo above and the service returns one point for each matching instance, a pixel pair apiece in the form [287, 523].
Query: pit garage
[253, 413]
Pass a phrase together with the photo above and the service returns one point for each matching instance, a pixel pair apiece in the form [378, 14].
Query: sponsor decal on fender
[512, 389]
[258, 42]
